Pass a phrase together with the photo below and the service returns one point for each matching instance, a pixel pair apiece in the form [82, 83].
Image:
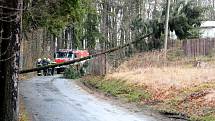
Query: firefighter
[45, 63]
[49, 70]
[39, 64]
[53, 68]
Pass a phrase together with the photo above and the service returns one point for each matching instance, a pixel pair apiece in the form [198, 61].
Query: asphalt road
[58, 99]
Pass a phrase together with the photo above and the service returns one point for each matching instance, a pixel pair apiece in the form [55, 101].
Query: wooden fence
[106, 63]
[100, 65]
[194, 47]
[97, 65]
[198, 47]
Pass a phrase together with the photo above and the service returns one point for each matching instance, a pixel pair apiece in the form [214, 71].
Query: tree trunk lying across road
[81, 59]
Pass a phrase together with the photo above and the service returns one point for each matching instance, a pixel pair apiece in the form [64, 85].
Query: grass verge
[176, 88]
[186, 104]
[117, 88]
[208, 118]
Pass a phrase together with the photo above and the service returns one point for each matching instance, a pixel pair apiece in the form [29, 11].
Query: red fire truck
[64, 55]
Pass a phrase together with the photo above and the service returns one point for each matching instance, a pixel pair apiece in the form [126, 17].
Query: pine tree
[9, 58]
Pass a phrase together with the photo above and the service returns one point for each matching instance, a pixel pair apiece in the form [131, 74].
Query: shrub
[72, 73]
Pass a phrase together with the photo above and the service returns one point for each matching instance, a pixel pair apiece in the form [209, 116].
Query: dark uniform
[45, 63]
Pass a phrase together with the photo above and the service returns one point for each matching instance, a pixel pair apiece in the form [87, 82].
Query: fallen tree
[84, 58]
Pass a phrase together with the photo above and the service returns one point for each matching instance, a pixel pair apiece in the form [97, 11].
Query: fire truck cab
[64, 55]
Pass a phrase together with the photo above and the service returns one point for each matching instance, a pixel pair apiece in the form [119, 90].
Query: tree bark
[9, 58]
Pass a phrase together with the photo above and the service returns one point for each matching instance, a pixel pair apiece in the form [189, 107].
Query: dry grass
[151, 71]
[166, 80]
[172, 82]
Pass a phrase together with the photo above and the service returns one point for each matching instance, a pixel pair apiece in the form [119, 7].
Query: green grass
[208, 118]
[118, 88]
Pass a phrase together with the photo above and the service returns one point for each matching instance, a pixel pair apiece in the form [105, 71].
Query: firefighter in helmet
[45, 63]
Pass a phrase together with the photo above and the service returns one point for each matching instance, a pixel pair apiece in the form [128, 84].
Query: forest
[99, 25]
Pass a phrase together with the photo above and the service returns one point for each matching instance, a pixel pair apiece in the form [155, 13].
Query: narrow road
[58, 99]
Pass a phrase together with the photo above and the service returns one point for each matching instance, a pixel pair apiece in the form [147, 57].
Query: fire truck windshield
[65, 55]
[61, 55]
[70, 55]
